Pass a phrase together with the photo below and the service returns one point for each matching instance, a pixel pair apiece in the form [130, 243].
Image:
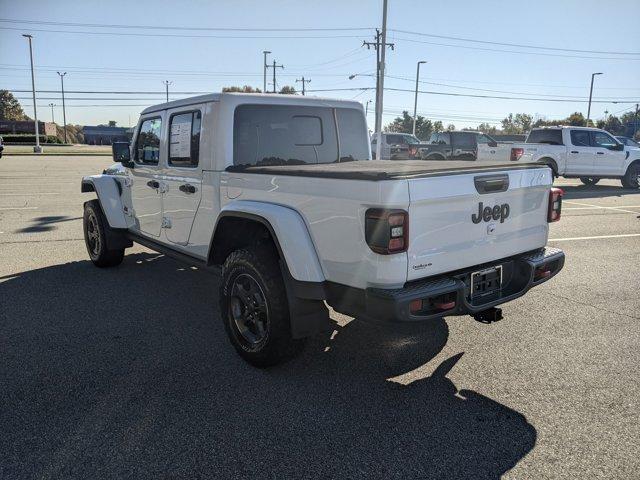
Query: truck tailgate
[465, 219]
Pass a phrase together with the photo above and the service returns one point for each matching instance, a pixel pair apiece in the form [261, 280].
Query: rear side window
[352, 131]
[267, 135]
[580, 138]
[464, 140]
[184, 139]
[148, 141]
[548, 136]
[444, 139]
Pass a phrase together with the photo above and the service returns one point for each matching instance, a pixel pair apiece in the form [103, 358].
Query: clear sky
[198, 59]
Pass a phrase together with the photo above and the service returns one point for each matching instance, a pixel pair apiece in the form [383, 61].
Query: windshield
[628, 142]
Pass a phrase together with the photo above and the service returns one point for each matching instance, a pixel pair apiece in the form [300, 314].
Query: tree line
[520, 123]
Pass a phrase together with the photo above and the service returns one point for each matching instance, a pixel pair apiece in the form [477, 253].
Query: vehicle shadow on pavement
[46, 224]
[127, 372]
[596, 191]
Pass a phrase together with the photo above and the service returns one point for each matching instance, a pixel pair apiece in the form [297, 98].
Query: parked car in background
[589, 154]
[395, 146]
[1, 146]
[474, 146]
[628, 142]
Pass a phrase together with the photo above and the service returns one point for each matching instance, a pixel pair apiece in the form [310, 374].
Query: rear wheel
[94, 226]
[589, 180]
[631, 179]
[254, 307]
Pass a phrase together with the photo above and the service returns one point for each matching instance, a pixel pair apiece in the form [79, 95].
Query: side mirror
[618, 146]
[493, 144]
[122, 153]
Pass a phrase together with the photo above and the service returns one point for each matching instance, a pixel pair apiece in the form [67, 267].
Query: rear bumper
[448, 295]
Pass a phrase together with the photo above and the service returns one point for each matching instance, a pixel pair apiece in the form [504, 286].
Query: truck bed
[378, 170]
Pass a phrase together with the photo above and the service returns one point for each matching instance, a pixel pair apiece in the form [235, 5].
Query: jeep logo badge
[498, 212]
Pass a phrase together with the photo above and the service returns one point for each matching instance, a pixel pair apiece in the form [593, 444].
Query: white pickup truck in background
[580, 152]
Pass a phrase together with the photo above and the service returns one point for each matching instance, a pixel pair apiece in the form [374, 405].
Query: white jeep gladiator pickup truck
[280, 192]
[580, 152]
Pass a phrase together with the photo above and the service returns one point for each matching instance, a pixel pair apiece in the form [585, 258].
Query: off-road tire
[259, 264]
[589, 180]
[94, 225]
[631, 177]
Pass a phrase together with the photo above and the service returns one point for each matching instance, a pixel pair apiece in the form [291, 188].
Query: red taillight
[516, 153]
[555, 204]
[413, 151]
[387, 231]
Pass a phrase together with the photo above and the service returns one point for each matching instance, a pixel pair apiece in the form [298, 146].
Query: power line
[171, 35]
[519, 45]
[520, 52]
[156, 27]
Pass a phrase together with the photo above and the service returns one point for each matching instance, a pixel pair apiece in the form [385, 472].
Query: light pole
[166, 85]
[264, 71]
[53, 119]
[37, 148]
[415, 101]
[590, 94]
[64, 112]
[366, 108]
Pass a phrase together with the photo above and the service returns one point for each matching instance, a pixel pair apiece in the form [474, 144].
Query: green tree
[520, 123]
[451, 127]
[576, 119]
[10, 108]
[112, 123]
[438, 127]
[404, 124]
[243, 89]
[487, 128]
[614, 126]
[287, 90]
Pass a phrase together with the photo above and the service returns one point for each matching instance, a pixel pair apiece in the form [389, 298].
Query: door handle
[574, 151]
[600, 153]
[153, 184]
[187, 188]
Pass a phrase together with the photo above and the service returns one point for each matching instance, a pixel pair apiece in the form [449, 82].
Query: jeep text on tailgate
[280, 194]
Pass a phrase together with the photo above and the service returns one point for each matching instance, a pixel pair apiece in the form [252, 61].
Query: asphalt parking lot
[127, 372]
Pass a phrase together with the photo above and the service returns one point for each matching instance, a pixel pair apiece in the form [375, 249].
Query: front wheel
[589, 180]
[94, 225]
[254, 307]
[631, 179]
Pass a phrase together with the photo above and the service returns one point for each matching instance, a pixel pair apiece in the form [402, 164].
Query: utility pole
[53, 119]
[415, 102]
[64, 112]
[590, 94]
[166, 84]
[380, 92]
[376, 44]
[274, 66]
[37, 148]
[264, 71]
[366, 108]
[303, 80]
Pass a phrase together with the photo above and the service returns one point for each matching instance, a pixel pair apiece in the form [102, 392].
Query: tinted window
[580, 138]
[433, 138]
[184, 139]
[352, 130]
[544, 135]
[444, 139]
[284, 135]
[465, 140]
[394, 139]
[148, 141]
[601, 139]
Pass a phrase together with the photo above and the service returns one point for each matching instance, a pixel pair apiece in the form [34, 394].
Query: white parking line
[599, 206]
[624, 235]
[27, 194]
[19, 208]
